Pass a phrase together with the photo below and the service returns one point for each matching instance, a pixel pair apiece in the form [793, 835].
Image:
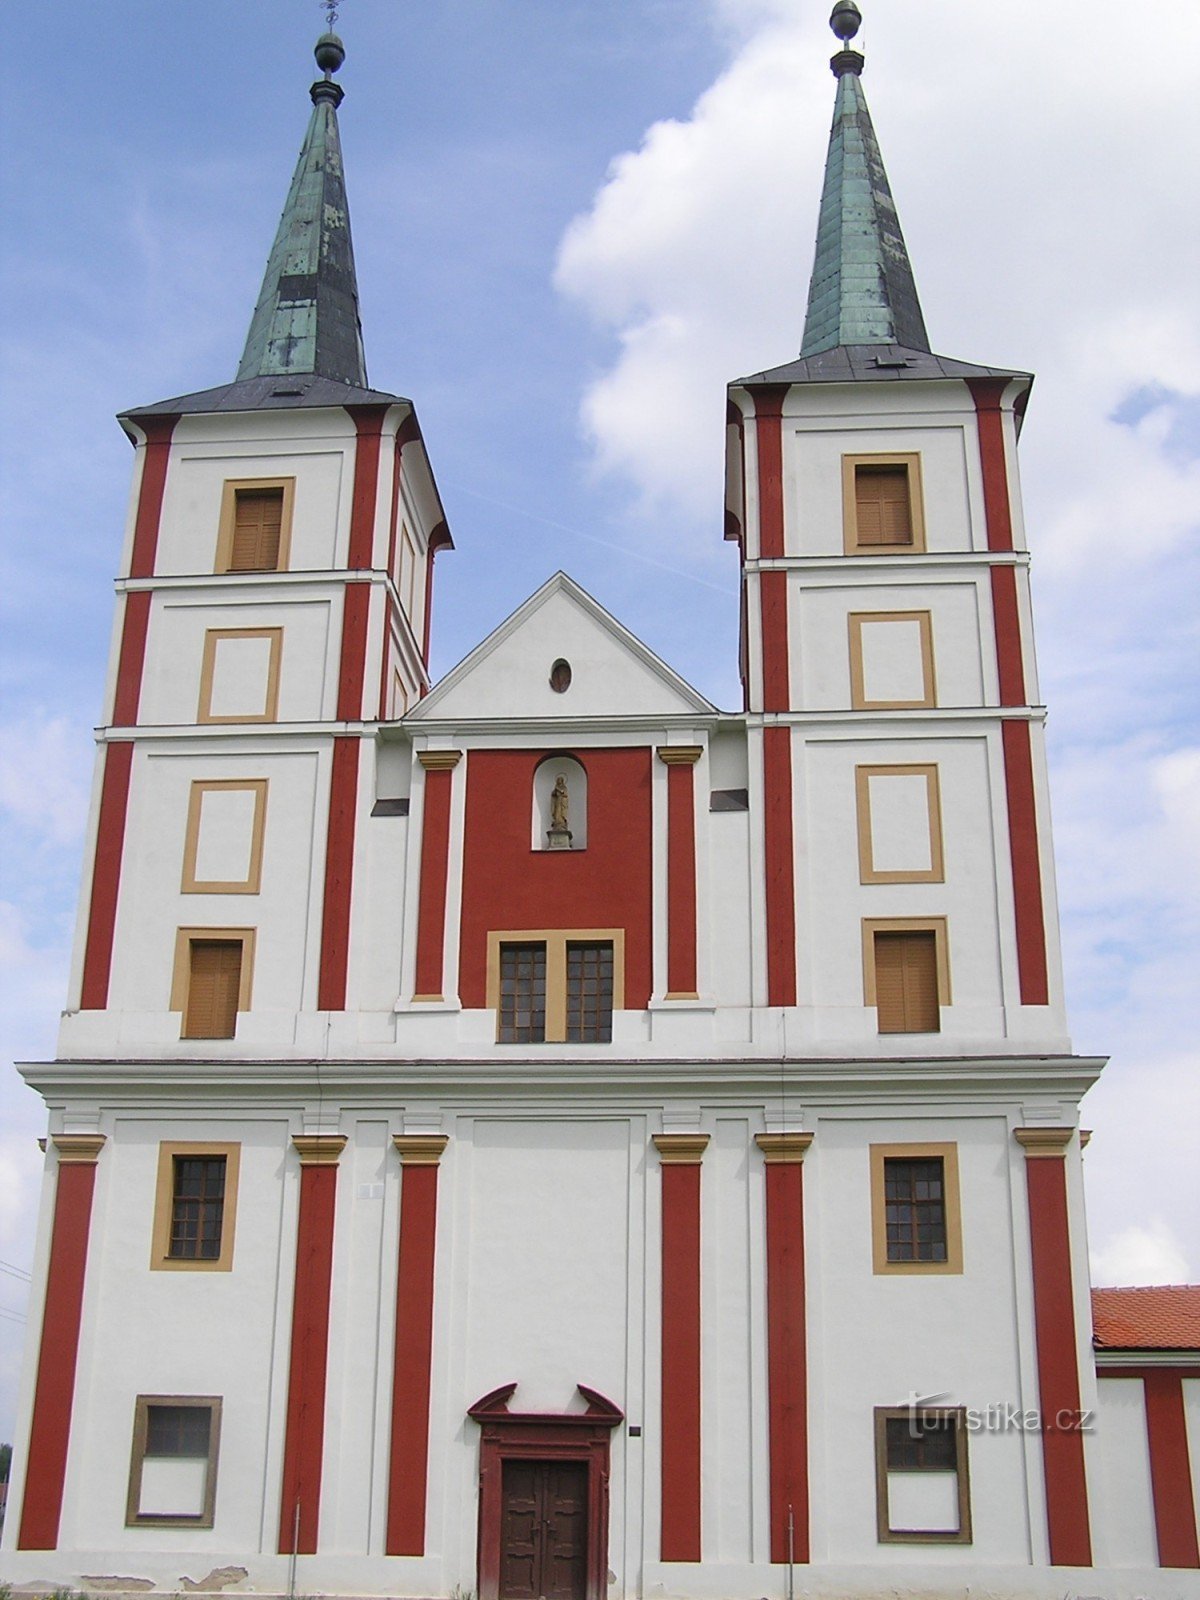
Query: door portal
[544, 1532]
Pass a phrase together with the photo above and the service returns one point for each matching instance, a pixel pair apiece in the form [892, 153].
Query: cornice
[680, 1149]
[319, 1149]
[1044, 1141]
[784, 1149]
[420, 1149]
[78, 1149]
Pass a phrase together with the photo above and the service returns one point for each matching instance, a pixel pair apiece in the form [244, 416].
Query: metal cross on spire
[331, 8]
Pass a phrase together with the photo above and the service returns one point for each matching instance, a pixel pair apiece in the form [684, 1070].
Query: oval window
[560, 676]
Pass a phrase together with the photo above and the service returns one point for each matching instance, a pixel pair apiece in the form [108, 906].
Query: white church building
[541, 1135]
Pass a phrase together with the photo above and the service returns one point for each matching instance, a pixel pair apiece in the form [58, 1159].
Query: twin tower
[538, 1134]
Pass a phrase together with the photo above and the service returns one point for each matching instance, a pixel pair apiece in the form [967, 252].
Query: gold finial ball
[330, 52]
[846, 20]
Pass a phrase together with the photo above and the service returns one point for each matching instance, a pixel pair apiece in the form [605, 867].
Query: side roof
[1163, 1317]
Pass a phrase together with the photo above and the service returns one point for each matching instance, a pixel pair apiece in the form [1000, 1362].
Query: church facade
[541, 1135]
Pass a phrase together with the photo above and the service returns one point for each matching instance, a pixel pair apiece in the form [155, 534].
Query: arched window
[559, 804]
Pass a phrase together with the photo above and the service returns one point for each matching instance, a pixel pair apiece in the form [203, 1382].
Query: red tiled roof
[1166, 1317]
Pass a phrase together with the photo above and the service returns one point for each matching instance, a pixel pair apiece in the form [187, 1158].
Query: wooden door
[543, 1531]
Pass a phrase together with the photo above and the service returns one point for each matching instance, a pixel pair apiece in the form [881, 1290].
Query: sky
[575, 222]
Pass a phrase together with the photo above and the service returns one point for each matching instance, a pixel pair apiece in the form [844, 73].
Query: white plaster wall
[832, 902]
[186, 1333]
[1122, 1499]
[819, 607]
[175, 648]
[876, 1340]
[1191, 1411]
[191, 510]
[151, 907]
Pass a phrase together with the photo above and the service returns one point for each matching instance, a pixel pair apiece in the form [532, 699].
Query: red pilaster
[408, 1473]
[787, 1352]
[1170, 1469]
[135, 623]
[368, 425]
[54, 1391]
[435, 860]
[780, 887]
[339, 875]
[987, 392]
[768, 434]
[106, 876]
[681, 869]
[680, 1155]
[158, 431]
[439, 539]
[1057, 1351]
[776, 671]
[1025, 856]
[304, 1440]
[356, 606]
[1006, 619]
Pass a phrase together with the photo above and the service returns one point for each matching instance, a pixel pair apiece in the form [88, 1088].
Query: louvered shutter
[213, 983]
[257, 523]
[906, 991]
[883, 509]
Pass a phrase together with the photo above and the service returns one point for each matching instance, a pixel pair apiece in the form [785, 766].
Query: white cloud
[1141, 1255]
[45, 769]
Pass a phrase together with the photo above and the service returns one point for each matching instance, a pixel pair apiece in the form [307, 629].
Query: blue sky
[574, 223]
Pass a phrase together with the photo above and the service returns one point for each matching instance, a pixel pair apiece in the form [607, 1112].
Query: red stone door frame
[542, 1436]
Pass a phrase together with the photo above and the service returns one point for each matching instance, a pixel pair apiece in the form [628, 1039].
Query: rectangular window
[256, 525]
[882, 509]
[589, 993]
[556, 985]
[922, 1488]
[906, 972]
[212, 980]
[522, 993]
[916, 1222]
[195, 1207]
[173, 1469]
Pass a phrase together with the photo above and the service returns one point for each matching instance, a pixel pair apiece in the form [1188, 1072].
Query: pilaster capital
[420, 1149]
[439, 760]
[783, 1149]
[78, 1149]
[319, 1149]
[680, 1149]
[1043, 1141]
[680, 755]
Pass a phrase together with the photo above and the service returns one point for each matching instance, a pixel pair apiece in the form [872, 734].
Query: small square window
[922, 1487]
[173, 1468]
[882, 509]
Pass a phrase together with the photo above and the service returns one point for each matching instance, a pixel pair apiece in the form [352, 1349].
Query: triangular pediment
[612, 673]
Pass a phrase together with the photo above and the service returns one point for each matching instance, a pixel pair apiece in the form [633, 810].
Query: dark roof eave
[861, 363]
[272, 393]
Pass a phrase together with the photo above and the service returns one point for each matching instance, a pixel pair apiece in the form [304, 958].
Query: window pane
[589, 993]
[915, 1208]
[922, 1443]
[178, 1430]
[522, 994]
[197, 1208]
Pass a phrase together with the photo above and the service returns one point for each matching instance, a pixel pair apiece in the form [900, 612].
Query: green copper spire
[862, 289]
[306, 319]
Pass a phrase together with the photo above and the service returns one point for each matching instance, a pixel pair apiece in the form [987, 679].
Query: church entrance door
[544, 1533]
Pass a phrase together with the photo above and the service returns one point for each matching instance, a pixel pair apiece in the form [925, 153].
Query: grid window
[921, 1479]
[197, 1208]
[178, 1431]
[522, 993]
[173, 1464]
[589, 993]
[915, 1202]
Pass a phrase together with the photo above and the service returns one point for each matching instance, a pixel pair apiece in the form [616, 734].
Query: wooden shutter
[214, 981]
[906, 982]
[257, 522]
[883, 509]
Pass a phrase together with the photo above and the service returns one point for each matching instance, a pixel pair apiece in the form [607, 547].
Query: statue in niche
[558, 835]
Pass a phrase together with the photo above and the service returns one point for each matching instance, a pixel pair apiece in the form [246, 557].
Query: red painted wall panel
[681, 880]
[507, 884]
[787, 1360]
[986, 393]
[1007, 623]
[681, 1460]
[339, 876]
[431, 907]
[777, 838]
[158, 432]
[356, 606]
[368, 423]
[304, 1442]
[54, 1393]
[106, 876]
[135, 624]
[409, 1455]
[1171, 1470]
[1058, 1363]
[768, 432]
[1026, 863]
[777, 688]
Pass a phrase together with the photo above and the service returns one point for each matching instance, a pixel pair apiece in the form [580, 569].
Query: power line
[17, 1272]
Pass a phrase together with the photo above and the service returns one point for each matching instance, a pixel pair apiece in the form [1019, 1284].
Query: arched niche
[545, 777]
